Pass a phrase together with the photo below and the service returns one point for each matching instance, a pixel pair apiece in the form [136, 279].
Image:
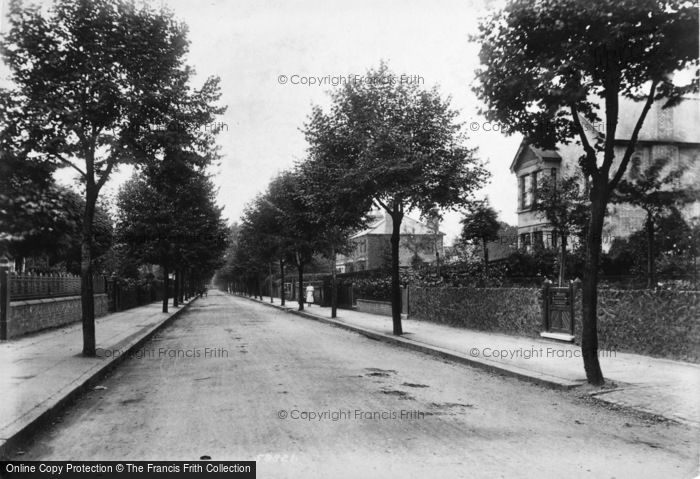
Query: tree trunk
[437, 262]
[282, 281]
[334, 285]
[176, 289]
[562, 260]
[486, 257]
[272, 296]
[87, 293]
[166, 284]
[183, 287]
[396, 217]
[589, 334]
[651, 264]
[300, 268]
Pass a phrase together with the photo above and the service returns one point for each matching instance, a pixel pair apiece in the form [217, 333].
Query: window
[537, 239]
[527, 191]
[521, 192]
[524, 240]
[553, 235]
[534, 188]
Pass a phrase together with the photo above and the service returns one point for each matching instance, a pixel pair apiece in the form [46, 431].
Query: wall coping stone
[30, 302]
[373, 301]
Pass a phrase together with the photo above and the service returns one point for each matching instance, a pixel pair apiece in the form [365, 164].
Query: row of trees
[174, 224]
[381, 144]
[89, 80]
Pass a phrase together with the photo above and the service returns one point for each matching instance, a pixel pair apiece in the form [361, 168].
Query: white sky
[250, 43]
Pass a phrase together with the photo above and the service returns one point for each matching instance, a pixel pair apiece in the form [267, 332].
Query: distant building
[499, 249]
[372, 246]
[667, 133]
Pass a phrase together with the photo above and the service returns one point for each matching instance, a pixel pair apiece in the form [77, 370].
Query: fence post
[4, 296]
[575, 286]
[545, 306]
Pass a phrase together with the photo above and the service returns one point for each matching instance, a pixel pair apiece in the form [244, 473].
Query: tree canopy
[480, 224]
[398, 145]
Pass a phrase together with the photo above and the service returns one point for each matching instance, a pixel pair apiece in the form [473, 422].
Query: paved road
[398, 413]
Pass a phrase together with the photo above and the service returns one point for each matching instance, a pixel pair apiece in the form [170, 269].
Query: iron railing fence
[27, 286]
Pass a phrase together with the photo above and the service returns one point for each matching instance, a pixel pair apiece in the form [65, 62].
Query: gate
[558, 308]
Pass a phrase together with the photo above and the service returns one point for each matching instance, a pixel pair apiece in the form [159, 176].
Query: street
[235, 380]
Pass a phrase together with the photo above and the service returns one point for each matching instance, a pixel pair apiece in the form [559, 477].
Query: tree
[144, 225]
[481, 224]
[66, 249]
[40, 217]
[277, 225]
[675, 243]
[261, 239]
[548, 65]
[403, 150]
[88, 81]
[649, 189]
[334, 206]
[31, 204]
[179, 228]
[564, 203]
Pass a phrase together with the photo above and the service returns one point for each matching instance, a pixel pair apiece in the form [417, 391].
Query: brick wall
[37, 314]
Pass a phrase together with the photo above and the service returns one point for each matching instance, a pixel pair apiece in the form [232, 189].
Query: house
[372, 246]
[667, 133]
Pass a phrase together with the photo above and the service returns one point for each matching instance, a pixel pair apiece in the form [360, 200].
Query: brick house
[372, 246]
[667, 133]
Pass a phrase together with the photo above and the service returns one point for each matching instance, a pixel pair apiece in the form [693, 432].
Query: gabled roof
[384, 224]
[541, 154]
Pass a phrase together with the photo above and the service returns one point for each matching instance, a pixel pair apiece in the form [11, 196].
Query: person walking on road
[309, 295]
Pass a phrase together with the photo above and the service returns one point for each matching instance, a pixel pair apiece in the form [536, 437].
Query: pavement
[660, 387]
[43, 372]
[235, 380]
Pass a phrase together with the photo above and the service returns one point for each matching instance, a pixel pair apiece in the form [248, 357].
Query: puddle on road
[451, 405]
[399, 394]
[382, 373]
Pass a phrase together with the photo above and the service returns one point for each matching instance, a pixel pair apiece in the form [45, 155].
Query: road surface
[236, 380]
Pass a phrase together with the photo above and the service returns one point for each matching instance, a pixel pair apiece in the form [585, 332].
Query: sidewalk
[656, 386]
[42, 372]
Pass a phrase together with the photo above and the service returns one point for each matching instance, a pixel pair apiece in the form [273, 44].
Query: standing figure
[309, 295]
